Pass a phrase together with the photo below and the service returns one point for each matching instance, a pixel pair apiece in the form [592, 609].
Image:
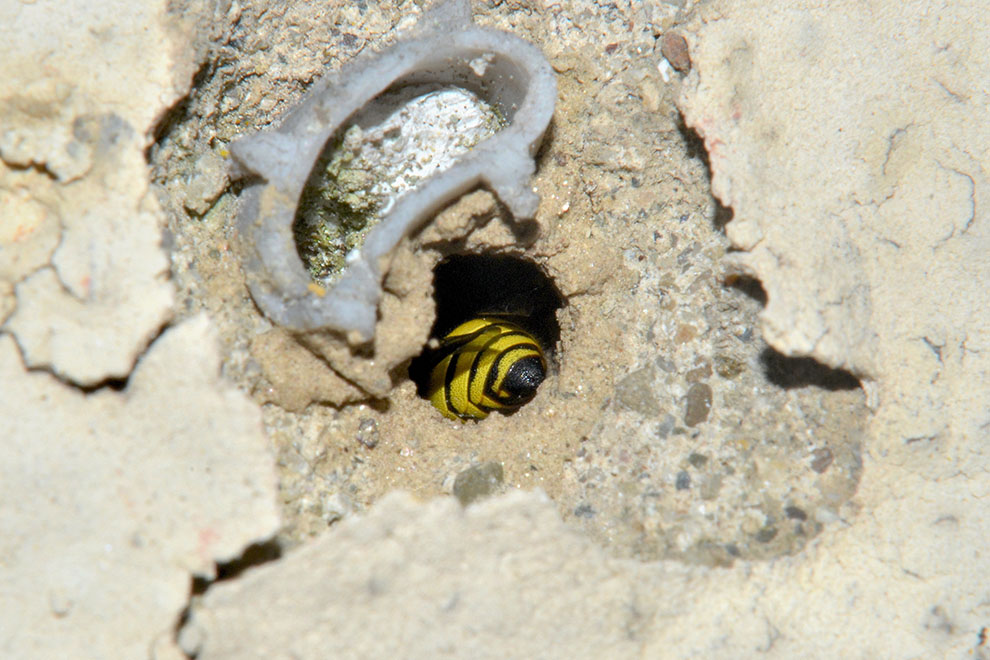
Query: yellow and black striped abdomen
[485, 364]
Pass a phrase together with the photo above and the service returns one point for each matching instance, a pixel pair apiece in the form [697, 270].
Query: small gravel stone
[674, 47]
[478, 481]
[821, 459]
[206, 183]
[335, 507]
[666, 426]
[665, 364]
[685, 333]
[766, 534]
[699, 404]
[636, 392]
[697, 460]
[367, 433]
[699, 374]
[795, 513]
[683, 480]
[584, 511]
[728, 367]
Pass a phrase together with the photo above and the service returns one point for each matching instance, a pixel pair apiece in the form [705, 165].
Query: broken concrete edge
[824, 333]
[445, 48]
[134, 493]
[308, 582]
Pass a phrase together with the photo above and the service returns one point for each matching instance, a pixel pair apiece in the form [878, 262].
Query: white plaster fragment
[110, 501]
[89, 316]
[856, 166]
[29, 227]
[424, 581]
[85, 120]
[517, 81]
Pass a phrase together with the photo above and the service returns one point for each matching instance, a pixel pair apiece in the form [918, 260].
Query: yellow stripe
[495, 344]
[478, 345]
[459, 386]
[438, 391]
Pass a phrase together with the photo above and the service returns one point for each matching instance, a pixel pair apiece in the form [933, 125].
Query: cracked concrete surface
[899, 164]
[851, 142]
[110, 501]
[73, 110]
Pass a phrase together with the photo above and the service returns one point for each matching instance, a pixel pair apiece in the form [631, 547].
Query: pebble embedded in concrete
[636, 392]
[699, 404]
[477, 482]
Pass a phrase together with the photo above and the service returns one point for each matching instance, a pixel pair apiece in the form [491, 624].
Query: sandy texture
[84, 120]
[111, 497]
[111, 500]
[704, 496]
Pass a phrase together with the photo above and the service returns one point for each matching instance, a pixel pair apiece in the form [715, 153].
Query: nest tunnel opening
[412, 131]
[503, 286]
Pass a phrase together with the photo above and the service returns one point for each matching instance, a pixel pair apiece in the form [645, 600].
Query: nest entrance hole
[467, 286]
[406, 135]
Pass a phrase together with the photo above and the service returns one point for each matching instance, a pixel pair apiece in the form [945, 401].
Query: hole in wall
[792, 372]
[750, 286]
[699, 492]
[471, 285]
[406, 135]
[490, 285]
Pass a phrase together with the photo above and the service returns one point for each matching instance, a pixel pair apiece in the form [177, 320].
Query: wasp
[487, 363]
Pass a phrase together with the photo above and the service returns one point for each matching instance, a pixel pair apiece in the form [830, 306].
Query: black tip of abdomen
[523, 377]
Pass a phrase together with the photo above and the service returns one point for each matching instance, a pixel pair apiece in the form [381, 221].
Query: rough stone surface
[86, 122]
[110, 501]
[478, 481]
[698, 404]
[855, 164]
[411, 594]
[635, 392]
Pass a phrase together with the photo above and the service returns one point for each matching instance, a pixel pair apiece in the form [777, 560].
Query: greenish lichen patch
[370, 165]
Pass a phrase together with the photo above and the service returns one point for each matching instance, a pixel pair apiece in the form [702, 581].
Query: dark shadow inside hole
[790, 372]
[750, 286]
[112, 384]
[467, 286]
[695, 144]
[255, 554]
[177, 115]
[723, 215]
[695, 147]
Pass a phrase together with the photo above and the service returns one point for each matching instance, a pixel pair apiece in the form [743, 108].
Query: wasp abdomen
[485, 364]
